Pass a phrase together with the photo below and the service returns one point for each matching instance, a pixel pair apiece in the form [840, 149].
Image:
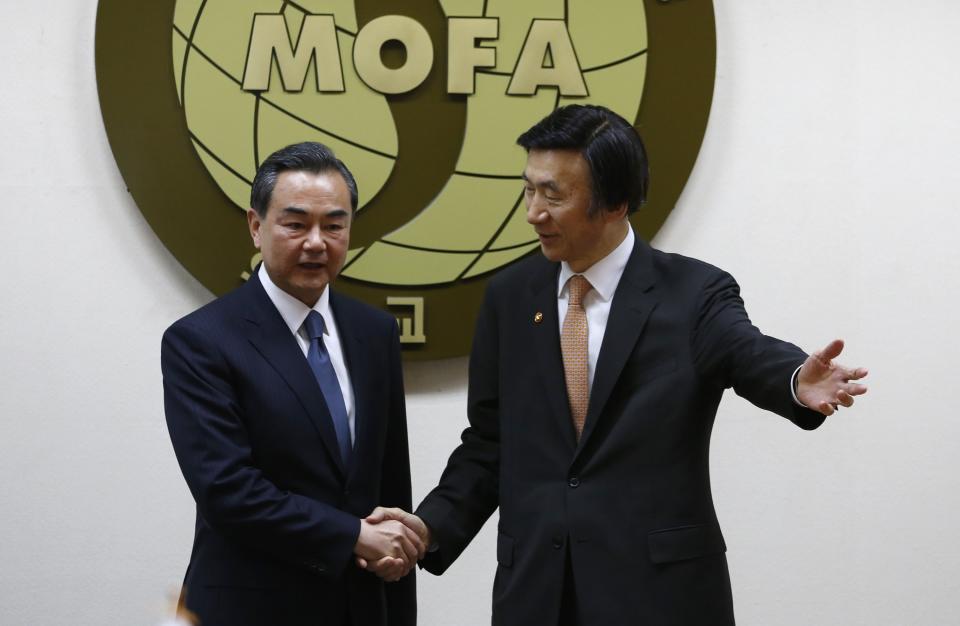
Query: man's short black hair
[609, 144]
[308, 156]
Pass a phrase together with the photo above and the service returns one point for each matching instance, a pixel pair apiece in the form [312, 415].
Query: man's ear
[254, 223]
[617, 214]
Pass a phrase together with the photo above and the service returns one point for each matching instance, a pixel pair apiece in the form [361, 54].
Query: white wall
[827, 185]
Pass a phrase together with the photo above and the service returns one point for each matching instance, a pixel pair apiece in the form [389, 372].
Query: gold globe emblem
[476, 223]
[189, 120]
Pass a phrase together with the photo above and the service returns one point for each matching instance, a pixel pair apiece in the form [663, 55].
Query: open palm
[824, 385]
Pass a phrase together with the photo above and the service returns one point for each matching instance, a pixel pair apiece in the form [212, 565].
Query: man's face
[558, 195]
[306, 232]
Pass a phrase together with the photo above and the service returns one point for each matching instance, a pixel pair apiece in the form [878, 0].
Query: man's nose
[535, 212]
[314, 240]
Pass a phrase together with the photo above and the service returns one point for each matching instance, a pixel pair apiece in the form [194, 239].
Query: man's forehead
[296, 179]
[554, 167]
[297, 210]
[328, 211]
[538, 177]
[298, 191]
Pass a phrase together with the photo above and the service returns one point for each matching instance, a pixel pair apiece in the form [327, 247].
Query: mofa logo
[423, 100]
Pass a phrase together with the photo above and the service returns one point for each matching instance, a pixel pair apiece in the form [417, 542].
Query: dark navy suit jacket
[630, 501]
[277, 510]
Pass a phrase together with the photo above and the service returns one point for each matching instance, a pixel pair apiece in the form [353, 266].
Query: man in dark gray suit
[284, 402]
[595, 376]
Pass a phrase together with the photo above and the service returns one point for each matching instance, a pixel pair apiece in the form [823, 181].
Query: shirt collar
[604, 275]
[293, 312]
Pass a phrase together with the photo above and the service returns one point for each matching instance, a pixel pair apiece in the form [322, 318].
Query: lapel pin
[538, 317]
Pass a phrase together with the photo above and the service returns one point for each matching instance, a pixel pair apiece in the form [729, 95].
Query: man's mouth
[312, 266]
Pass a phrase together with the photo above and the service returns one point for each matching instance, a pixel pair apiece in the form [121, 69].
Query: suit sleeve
[468, 492]
[401, 596]
[213, 449]
[728, 349]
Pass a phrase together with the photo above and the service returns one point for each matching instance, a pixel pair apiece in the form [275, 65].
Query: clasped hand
[391, 542]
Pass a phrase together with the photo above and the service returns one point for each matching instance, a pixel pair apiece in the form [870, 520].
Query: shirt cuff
[793, 388]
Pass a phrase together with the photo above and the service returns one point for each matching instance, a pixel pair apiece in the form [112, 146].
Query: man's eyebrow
[293, 209]
[338, 213]
[550, 184]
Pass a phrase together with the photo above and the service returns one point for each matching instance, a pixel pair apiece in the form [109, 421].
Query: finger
[848, 374]
[425, 536]
[854, 374]
[831, 351]
[390, 563]
[826, 408]
[845, 398]
[390, 576]
[387, 566]
[362, 562]
[419, 527]
[382, 513]
[416, 541]
[404, 572]
[377, 515]
[407, 550]
[394, 572]
[397, 573]
[400, 573]
[855, 389]
[410, 551]
[412, 522]
[395, 576]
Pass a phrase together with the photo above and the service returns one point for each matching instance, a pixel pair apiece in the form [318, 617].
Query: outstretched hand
[390, 568]
[823, 385]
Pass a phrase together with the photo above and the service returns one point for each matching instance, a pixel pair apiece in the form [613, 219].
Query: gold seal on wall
[423, 102]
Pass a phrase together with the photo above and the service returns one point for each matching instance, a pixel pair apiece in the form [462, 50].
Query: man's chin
[551, 252]
[311, 276]
[310, 291]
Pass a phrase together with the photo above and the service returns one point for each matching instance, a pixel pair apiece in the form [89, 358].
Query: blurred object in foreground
[181, 615]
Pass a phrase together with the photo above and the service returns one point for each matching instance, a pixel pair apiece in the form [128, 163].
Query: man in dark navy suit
[284, 402]
[595, 376]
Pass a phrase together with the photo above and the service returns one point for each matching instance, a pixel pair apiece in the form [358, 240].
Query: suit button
[574, 482]
[557, 543]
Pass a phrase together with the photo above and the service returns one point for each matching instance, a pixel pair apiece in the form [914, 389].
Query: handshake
[391, 542]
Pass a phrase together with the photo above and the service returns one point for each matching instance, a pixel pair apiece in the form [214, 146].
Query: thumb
[832, 351]
[377, 515]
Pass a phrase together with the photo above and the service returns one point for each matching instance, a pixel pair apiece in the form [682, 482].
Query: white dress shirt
[294, 313]
[604, 276]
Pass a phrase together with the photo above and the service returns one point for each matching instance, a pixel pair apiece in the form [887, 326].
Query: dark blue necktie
[319, 360]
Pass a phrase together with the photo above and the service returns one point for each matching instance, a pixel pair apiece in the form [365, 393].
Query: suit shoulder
[360, 311]
[520, 273]
[678, 266]
[213, 317]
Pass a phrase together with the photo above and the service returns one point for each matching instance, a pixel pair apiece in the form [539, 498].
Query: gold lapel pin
[538, 317]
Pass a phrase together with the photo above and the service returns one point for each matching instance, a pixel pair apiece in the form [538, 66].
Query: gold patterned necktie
[573, 345]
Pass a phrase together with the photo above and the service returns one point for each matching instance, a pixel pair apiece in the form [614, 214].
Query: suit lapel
[351, 340]
[271, 336]
[543, 285]
[632, 304]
